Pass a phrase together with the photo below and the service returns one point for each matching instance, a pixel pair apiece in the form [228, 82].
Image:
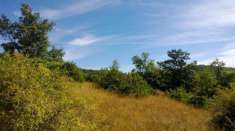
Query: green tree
[146, 68]
[218, 68]
[175, 69]
[143, 64]
[223, 78]
[115, 65]
[28, 36]
[55, 54]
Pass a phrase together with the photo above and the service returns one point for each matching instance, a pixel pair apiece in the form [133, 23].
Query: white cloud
[210, 14]
[228, 57]
[87, 40]
[77, 8]
[73, 54]
[226, 54]
[59, 33]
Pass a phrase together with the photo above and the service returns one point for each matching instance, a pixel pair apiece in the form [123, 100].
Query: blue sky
[95, 32]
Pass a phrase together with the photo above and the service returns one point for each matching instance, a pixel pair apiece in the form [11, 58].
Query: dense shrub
[180, 94]
[135, 85]
[32, 97]
[224, 111]
[205, 84]
[112, 80]
[70, 69]
[94, 75]
[199, 101]
[130, 84]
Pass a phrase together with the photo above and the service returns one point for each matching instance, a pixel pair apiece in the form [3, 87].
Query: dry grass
[153, 113]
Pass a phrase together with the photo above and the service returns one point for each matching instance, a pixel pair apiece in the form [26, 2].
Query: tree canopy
[28, 35]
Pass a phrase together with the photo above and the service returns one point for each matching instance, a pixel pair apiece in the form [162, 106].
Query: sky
[93, 33]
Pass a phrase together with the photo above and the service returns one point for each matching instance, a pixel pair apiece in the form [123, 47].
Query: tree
[146, 68]
[218, 68]
[28, 36]
[175, 68]
[115, 65]
[142, 63]
[224, 78]
[55, 54]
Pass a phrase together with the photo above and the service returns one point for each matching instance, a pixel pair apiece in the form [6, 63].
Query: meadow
[115, 112]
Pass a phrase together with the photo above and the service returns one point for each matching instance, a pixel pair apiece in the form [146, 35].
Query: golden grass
[113, 112]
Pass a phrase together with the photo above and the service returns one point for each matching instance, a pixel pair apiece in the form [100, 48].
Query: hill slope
[119, 113]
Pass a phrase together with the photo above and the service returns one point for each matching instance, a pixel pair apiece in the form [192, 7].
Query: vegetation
[33, 98]
[159, 112]
[131, 84]
[27, 36]
[38, 89]
[224, 115]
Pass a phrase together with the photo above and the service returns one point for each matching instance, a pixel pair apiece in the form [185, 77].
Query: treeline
[32, 95]
[189, 82]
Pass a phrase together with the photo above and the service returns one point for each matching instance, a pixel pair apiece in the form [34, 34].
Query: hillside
[119, 113]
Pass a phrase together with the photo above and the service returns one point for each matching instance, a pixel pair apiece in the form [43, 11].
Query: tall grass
[154, 113]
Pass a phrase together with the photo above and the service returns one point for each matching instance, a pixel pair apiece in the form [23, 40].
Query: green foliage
[112, 80]
[130, 84]
[175, 69]
[28, 36]
[32, 97]
[147, 69]
[224, 111]
[55, 54]
[70, 69]
[135, 85]
[143, 64]
[205, 84]
[94, 75]
[199, 101]
[180, 94]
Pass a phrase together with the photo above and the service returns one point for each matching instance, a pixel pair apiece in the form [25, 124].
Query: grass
[113, 112]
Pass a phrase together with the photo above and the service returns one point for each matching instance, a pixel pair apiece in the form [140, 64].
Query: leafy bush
[112, 80]
[32, 97]
[70, 69]
[205, 86]
[131, 84]
[224, 111]
[94, 75]
[135, 85]
[199, 101]
[180, 94]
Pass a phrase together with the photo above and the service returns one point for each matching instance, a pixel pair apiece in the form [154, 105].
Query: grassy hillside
[153, 113]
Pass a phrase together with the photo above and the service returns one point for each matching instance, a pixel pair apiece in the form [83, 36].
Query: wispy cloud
[76, 8]
[208, 14]
[226, 54]
[73, 54]
[229, 57]
[87, 40]
[60, 33]
[203, 38]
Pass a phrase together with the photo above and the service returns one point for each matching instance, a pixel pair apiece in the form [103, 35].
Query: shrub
[180, 94]
[205, 84]
[130, 84]
[32, 97]
[199, 101]
[135, 85]
[224, 111]
[112, 80]
[70, 69]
